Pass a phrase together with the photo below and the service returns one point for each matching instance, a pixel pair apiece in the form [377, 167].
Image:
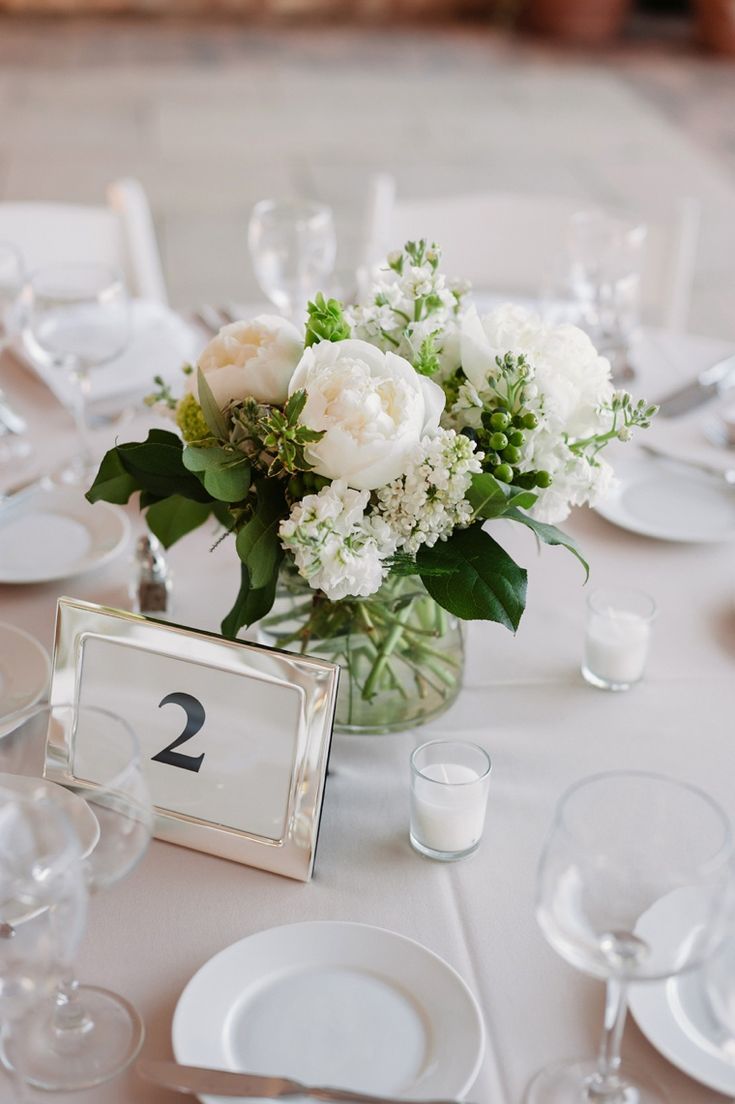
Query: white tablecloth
[524, 700]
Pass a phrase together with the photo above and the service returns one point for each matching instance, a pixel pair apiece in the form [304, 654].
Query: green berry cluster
[502, 437]
[304, 483]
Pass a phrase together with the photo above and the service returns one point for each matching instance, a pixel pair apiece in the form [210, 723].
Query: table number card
[234, 736]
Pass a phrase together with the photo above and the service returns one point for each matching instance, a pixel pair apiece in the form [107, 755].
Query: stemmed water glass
[43, 899]
[86, 1035]
[77, 319]
[293, 248]
[606, 259]
[632, 886]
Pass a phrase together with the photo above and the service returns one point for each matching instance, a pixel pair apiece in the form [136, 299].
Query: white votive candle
[617, 639]
[449, 789]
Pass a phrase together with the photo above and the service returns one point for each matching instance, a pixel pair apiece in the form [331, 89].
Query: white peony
[252, 360]
[372, 406]
[336, 547]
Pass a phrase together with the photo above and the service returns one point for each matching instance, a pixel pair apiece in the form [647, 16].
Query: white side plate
[56, 534]
[25, 669]
[337, 1004]
[668, 502]
[674, 1015]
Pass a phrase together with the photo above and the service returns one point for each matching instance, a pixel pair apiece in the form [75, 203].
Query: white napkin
[161, 343]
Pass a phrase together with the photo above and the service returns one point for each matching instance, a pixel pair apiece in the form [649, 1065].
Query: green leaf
[484, 584]
[549, 534]
[257, 542]
[487, 495]
[198, 459]
[113, 482]
[229, 484]
[213, 416]
[251, 604]
[174, 517]
[157, 466]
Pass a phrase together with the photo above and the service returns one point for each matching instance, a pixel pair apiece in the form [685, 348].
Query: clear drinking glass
[632, 886]
[293, 248]
[43, 899]
[617, 637]
[14, 443]
[85, 1035]
[605, 268]
[450, 780]
[76, 319]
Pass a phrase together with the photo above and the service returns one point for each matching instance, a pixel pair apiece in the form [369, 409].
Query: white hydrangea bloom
[337, 548]
[428, 502]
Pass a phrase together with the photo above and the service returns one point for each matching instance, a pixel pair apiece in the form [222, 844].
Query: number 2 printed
[195, 717]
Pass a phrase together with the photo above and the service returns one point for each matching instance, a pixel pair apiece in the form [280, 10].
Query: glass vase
[401, 654]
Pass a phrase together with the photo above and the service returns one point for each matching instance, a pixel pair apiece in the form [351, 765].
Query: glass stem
[70, 1015]
[79, 411]
[606, 1084]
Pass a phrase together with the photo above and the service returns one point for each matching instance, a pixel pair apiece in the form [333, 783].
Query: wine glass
[43, 901]
[606, 259]
[86, 1035]
[293, 248]
[77, 319]
[632, 886]
[13, 444]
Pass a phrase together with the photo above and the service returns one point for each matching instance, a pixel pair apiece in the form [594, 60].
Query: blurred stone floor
[212, 117]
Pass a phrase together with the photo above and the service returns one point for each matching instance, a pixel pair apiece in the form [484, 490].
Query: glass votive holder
[449, 788]
[617, 637]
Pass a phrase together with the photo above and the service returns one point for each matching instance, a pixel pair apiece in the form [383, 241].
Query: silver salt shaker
[151, 585]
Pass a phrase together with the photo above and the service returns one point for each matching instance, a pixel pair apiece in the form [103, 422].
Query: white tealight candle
[617, 641]
[448, 800]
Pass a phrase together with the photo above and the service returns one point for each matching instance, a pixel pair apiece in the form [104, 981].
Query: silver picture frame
[259, 800]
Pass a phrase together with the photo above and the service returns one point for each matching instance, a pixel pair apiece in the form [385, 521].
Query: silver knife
[699, 391]
[725, 475]
[195, 1080]
[10, 421]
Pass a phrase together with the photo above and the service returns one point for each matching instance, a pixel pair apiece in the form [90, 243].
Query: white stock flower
[372, 406]
[428, 503]
[337, 548]
[253, 359]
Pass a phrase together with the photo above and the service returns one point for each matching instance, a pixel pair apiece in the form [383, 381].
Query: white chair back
[120, 234]
[513, 244]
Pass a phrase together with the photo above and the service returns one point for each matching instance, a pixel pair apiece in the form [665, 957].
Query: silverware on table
[210, 318]
[724, 475]
[699, 391]
[195, 1080]
[19, 491]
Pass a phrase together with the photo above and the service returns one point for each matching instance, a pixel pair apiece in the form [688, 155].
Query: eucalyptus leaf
[484, 583]
[157, 466]
[213, 416]
[229, 484]
[549, 534]
[174, 517]
[197, 459]
[113, 482]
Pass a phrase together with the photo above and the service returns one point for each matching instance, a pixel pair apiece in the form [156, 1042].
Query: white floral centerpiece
[358, 468]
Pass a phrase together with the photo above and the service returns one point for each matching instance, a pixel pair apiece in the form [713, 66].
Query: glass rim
[22, 716]
[722, 855]
[595, 595]
[617, 218]
[313, 210]
[455, 743]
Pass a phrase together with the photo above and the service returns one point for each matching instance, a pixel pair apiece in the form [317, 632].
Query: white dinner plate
[24, 669]
[78, 812]
[669, 502]
[337, 1004]
[57, 534]
[674, 1015]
